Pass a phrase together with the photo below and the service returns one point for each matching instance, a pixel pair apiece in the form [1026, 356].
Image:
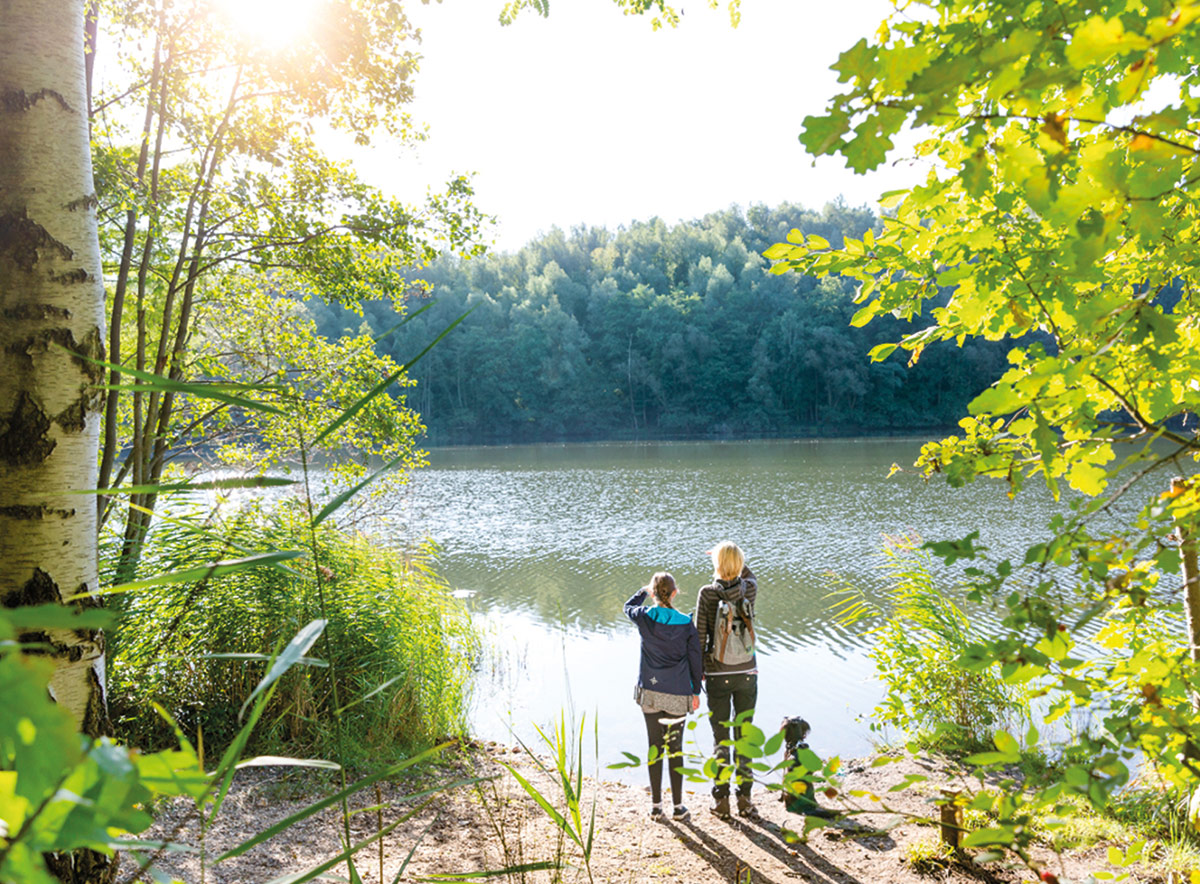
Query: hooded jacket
[706, 619]
[670, 660]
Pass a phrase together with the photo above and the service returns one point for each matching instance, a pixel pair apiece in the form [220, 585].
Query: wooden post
[1191, 583]
[952, 819]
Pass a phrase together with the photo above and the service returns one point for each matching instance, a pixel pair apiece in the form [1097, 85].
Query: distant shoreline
[826, 434]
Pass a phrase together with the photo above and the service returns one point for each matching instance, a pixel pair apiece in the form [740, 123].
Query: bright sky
[590, 117]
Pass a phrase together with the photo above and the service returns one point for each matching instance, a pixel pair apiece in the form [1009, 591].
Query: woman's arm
[695, 663]
[703, 619]
[749, 583]
[633, 607]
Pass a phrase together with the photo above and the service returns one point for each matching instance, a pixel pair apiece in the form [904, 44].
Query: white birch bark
[51, 314]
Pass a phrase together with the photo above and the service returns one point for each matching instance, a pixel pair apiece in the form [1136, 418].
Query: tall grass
[392, 624]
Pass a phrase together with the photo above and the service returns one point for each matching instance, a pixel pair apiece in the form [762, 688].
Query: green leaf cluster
[60, 791]
[1059, 206]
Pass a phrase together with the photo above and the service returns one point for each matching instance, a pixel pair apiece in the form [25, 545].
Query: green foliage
[398, 644]
[264, 344]
[916, 649]
[216, 196]
[1061, 209]
[929, 855]
[59, 790]
[643, 333]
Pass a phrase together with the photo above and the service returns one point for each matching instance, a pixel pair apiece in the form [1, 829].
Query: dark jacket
[706, 618]
[670, 648]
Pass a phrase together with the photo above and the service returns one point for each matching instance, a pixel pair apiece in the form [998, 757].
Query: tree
[52, 296]
[212, 178]
[52, 302]
[1061, 209]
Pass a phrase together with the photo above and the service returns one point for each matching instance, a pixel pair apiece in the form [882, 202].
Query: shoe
[745, 807]
[656, 813]
[720, 808]
[681, 814]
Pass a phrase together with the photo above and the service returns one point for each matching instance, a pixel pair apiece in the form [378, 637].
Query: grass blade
[345, 856]
[434, 342]
[412, 850]
[407, 319]
[234, 655]
[206, 391]
[383, 687]
[288, 657]
[56, 616]
[358, 406]
[550, 810]
[202, 572]
[283, 761]
[169, 488]
[384, 384]
[336, 504]
[228, 766]
[541, 866]
[211, 535]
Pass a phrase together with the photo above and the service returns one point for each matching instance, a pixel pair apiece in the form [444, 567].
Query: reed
[401, 646]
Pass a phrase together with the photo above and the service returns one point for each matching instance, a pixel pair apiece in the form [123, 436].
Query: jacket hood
[729, 591]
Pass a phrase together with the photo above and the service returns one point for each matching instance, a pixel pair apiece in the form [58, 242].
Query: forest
[645, 332]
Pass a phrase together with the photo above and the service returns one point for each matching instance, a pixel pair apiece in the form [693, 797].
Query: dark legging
[670, 737]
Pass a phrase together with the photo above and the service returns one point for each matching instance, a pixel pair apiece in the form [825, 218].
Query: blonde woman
[730, 668]
[668, 686]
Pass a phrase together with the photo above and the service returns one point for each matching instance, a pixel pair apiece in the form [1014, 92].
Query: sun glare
[272, 24]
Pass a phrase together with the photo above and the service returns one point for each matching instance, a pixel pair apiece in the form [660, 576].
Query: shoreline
[494, 823]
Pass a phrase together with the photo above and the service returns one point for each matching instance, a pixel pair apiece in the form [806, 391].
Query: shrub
[918, 638]
[391, 622]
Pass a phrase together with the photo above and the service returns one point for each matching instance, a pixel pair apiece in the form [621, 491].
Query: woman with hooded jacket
[668, 685]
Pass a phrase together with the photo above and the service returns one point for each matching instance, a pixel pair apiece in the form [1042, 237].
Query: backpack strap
[747, 622]
[724, 634]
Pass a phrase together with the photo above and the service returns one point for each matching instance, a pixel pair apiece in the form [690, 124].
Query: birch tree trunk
[51, 316]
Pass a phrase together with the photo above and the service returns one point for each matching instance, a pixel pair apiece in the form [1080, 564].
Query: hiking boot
[720, 808]
[681, 814]
[745, 807]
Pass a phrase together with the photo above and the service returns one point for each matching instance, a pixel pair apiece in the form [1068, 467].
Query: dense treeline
[660, 330]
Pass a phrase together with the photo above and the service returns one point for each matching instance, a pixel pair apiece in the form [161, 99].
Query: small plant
[505, 818]
[572, 821]
[928, 854]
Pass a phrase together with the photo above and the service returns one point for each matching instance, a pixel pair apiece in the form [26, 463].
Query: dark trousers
[668, 740]
[728, 697]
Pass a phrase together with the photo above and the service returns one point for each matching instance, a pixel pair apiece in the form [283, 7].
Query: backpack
[733, 634]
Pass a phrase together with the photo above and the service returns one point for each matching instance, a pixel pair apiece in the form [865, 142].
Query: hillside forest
[661, 331]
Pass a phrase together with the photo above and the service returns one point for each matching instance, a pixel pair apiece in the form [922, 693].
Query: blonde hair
[727, 560]
[662, 586]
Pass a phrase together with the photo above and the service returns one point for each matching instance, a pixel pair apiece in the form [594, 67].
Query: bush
[919, 637]
[391, 622]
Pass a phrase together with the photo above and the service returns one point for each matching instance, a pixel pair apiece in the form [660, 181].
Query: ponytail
[662, 586]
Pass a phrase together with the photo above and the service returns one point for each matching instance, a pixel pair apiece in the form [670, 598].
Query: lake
[546, 542]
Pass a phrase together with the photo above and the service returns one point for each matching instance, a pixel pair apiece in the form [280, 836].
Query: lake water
[547, 542]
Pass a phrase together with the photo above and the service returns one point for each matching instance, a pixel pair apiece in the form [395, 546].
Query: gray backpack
[733, 632]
